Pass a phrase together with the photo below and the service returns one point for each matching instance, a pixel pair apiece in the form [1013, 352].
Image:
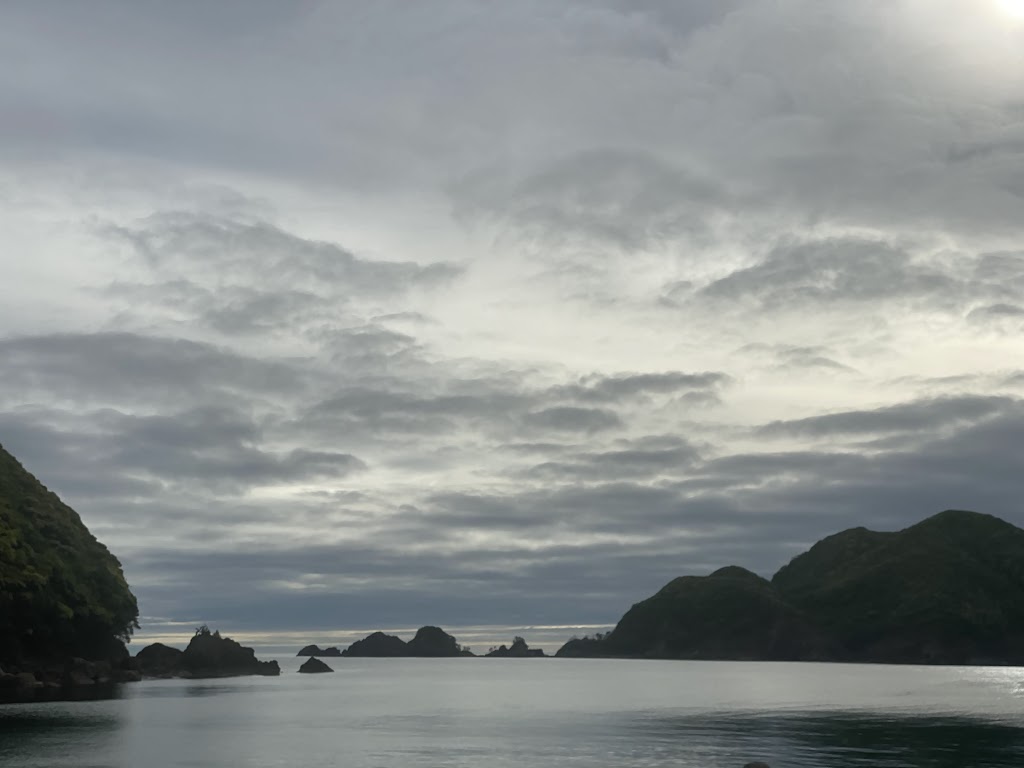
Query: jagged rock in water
[210, 655]
[313, 666]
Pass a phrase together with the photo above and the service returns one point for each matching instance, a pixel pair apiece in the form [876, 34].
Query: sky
[330, 317]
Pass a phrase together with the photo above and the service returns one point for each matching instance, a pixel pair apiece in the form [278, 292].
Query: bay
[539, 712]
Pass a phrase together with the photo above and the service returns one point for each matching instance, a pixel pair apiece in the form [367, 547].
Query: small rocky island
[316, 650]
[378, 645]
[207, 655]
[518, 650]
[314, 666]
[429, 642]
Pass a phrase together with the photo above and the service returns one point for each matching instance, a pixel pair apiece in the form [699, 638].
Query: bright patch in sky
[1014, 8]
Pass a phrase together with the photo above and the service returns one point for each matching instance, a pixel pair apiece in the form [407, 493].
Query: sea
[533, 713]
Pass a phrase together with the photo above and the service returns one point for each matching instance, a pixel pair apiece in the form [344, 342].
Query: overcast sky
[341, 315]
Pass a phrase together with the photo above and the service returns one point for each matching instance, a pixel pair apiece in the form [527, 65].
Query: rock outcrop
[159, 660]
[207, 655]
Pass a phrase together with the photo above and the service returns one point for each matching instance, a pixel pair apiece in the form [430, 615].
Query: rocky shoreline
[57, 681]
[208, 655]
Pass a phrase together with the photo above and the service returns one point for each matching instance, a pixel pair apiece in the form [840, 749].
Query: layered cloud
[336, 316]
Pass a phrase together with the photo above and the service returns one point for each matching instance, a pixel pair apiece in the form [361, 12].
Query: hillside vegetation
[946, 590]
[62, 593]
[943, 591]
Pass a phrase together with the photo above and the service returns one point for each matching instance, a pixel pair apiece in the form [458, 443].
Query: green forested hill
[947, 591]
[62, 593]
[731, 614]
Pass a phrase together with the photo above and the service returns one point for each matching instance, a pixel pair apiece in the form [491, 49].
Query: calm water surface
[531, 712]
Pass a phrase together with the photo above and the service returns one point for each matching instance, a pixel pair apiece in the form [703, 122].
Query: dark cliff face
[943, 591]
[62, 593]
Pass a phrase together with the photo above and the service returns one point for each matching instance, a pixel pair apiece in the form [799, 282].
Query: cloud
[831, 271]
[488, 317]
[218, 247]
[129, 367]
[612, 388]
[572, 419]
[919, 416]
[788, 357]
[218, 448]
[632, 200]
[250, 277]
[647, 457]
[997, 315]
[391, 412]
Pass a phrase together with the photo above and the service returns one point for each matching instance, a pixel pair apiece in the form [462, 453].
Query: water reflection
[82, 693]
[196, 690]
[525, 716]
[841, 739]
[57, 734]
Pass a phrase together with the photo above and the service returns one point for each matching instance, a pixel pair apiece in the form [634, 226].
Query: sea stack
[313, 665]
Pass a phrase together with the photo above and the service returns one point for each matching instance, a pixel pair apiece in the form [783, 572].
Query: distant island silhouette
[518, 650]
[316, 650]
[429, 642]
[943, 591]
